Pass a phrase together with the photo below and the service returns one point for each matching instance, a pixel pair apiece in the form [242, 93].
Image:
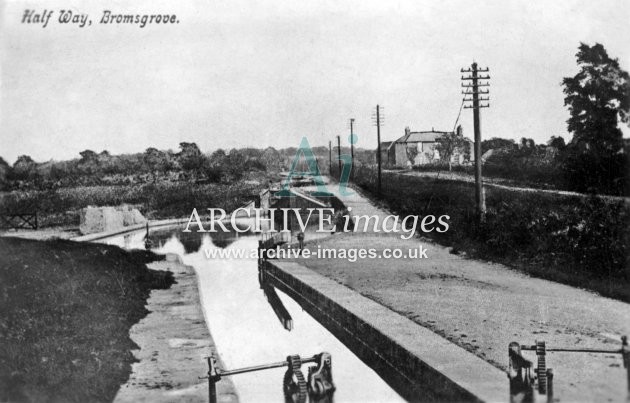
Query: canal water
[245, 328]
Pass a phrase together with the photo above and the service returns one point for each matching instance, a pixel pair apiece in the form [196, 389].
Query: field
[574, 240]
[61, 207]
[65, 313]
[547, 176]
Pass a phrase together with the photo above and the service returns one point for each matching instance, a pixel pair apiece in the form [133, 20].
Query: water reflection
[191, 241]
[276, 304]
[250, 326]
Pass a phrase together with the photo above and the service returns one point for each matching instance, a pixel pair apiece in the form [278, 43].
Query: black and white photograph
[318, 201]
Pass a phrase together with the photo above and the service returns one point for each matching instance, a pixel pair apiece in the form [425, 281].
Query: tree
[88, 163]
[88, 156]
[557, 142]
[597, 98]
[412, 152]
[190, 157]
[5, 172]
[60, 171]
[215, 165]
[24, 168]
[272, 158]
[155, 161]
[527, 143]
[235, 164]
[496, 143]
[218, 156]
[447, 144]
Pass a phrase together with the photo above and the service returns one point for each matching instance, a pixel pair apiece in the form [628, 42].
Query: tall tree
[598, 98]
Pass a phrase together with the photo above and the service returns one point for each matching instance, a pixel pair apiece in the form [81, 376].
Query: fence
[20, 220]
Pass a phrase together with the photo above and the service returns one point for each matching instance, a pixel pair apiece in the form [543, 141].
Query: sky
[267, 73]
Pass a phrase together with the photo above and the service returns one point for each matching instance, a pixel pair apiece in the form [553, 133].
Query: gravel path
[42, 233]
[483, 307]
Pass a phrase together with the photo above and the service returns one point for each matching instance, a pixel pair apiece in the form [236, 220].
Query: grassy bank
[65, 313]
[544, 176]
[61, 207]
[574, 240]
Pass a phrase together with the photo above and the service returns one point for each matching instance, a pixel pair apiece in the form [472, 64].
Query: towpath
[483, 307]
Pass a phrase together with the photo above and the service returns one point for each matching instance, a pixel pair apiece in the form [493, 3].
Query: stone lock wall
[101, 219]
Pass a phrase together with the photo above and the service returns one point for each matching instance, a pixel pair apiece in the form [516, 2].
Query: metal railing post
[319, 385]
[549, 385]
[519, 374]
[625, 351]
[213, 377]
[522, 382]
[541, 368]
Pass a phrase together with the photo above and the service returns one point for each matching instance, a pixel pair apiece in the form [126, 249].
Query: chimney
[460, 130]
[407, 131]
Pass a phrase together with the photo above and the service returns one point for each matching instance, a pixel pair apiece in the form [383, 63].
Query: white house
[418, 148]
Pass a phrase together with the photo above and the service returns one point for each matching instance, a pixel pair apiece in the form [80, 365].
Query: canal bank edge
[131, 228]
[173, 358]
[410, 353]
[174, 343]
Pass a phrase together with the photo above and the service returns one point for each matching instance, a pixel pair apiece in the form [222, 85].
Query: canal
[244, 326]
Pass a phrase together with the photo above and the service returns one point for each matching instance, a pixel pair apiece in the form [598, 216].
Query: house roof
[417, 137]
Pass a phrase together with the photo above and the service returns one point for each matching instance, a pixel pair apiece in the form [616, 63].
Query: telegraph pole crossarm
[475, 86]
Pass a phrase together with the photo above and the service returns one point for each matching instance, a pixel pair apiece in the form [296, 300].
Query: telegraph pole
[478, 99]
[339, 154]
[329, 157]
[378, 148]
[352, 146]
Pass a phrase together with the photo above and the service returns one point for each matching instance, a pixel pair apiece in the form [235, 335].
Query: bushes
[596, 172]
[577, 240]
[532, 169]
[586, 235]
[536, 168]
[162, 200]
